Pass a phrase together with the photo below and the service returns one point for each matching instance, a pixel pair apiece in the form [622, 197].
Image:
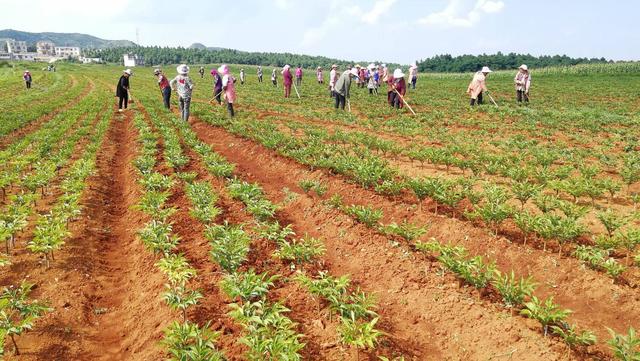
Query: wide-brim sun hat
[524, 67]
[287, 66]
[334, 66]
[183, 69]
[156, 71]
[214, 72]
[223, 69]
[127, 71]
[353, 71]
[398, 74]
[485, 69]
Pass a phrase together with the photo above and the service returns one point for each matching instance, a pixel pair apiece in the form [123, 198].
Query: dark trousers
[230, 109]
[413, 82]
[260, 79]
[275, 82]
[28, 84]
[478, 101]
[341, 100]
[166, 97]
[123, 100]
[218, 94]
[521, 96]
[395, 101]
[298, 81]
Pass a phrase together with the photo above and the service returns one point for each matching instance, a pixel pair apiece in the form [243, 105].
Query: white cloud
[379, 8]
[462, 13]
[283, 4]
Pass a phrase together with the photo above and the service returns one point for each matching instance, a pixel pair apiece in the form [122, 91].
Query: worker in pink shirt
[287, 80]
[319, 75]
[478, 85]
[228, 87]
[298, 76]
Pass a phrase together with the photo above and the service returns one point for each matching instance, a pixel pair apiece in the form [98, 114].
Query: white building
[24, 56]
[89, 60]
[45, 48]
[131, 60]
[67, 51]
[14, 46]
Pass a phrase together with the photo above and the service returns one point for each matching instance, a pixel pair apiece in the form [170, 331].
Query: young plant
[18, 313]
[513, 291]
[406, 230]
[571, 336]
[189, 342]
[300, 251]
[179, 297]
[359, 334]
[366, 215]
[229, 245]
[625, 347]
[547, 312]
[247, 286]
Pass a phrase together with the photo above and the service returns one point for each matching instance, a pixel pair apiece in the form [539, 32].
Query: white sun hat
[398, 74]
[485, 69]
[127, 71]
[156, 71]
[353, 71]
[183, 69]
[523, 67]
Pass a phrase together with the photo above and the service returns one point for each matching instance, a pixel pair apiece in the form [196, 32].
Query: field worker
[478, 85]
[259, 74]
[183, 84]
[274, 77]
[217, 86]
[298, 76]
[287, 80]
[333, 78]
[319, 75]
[242, 76]
[165, 89]
[523, 83]
[371, 81]
[27, 78]
[361, 77]
[343, 87]
[413, 75]
[122, 90]
[399, 87]
[201, 71]
[229, 88]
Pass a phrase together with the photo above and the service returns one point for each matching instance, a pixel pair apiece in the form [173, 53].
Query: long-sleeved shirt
[343, 85]
[286, 77]
[523, 81]
[333, 77]
[229, 88]
[123, 86]
[163, 82]
[183, 85]
[477, 85]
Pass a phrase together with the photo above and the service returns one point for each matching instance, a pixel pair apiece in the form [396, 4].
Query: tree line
[469, 63]
[155, 55]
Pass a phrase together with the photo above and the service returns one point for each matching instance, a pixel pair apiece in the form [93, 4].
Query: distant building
[67, 51]
[45, 48]
[131, 60]
[16, 47]
[89, 60]
[24, 56]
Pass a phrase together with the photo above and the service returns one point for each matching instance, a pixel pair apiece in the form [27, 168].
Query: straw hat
[523, 67]
[398, 74]
[485, 69]
[182, 69]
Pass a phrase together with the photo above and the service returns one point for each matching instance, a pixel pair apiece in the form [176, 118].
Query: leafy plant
[229, 245]
[179, 297]
[18, 313]
[300, 251]
[188, 342]
[247, 286]
[547, 312]
[367, 215]
[406, 230]
[625, 347]
[513, 291]
[359, 334]
[571, 336]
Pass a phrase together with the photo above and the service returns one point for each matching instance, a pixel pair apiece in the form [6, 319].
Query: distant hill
[203, 47]
[65, 39]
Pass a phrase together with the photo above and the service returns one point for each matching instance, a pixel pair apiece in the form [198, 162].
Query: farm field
[293, 231]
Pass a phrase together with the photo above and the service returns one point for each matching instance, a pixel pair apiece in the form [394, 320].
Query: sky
[400, 31]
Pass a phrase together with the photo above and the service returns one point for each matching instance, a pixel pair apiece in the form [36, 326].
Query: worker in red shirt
[165, 89]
